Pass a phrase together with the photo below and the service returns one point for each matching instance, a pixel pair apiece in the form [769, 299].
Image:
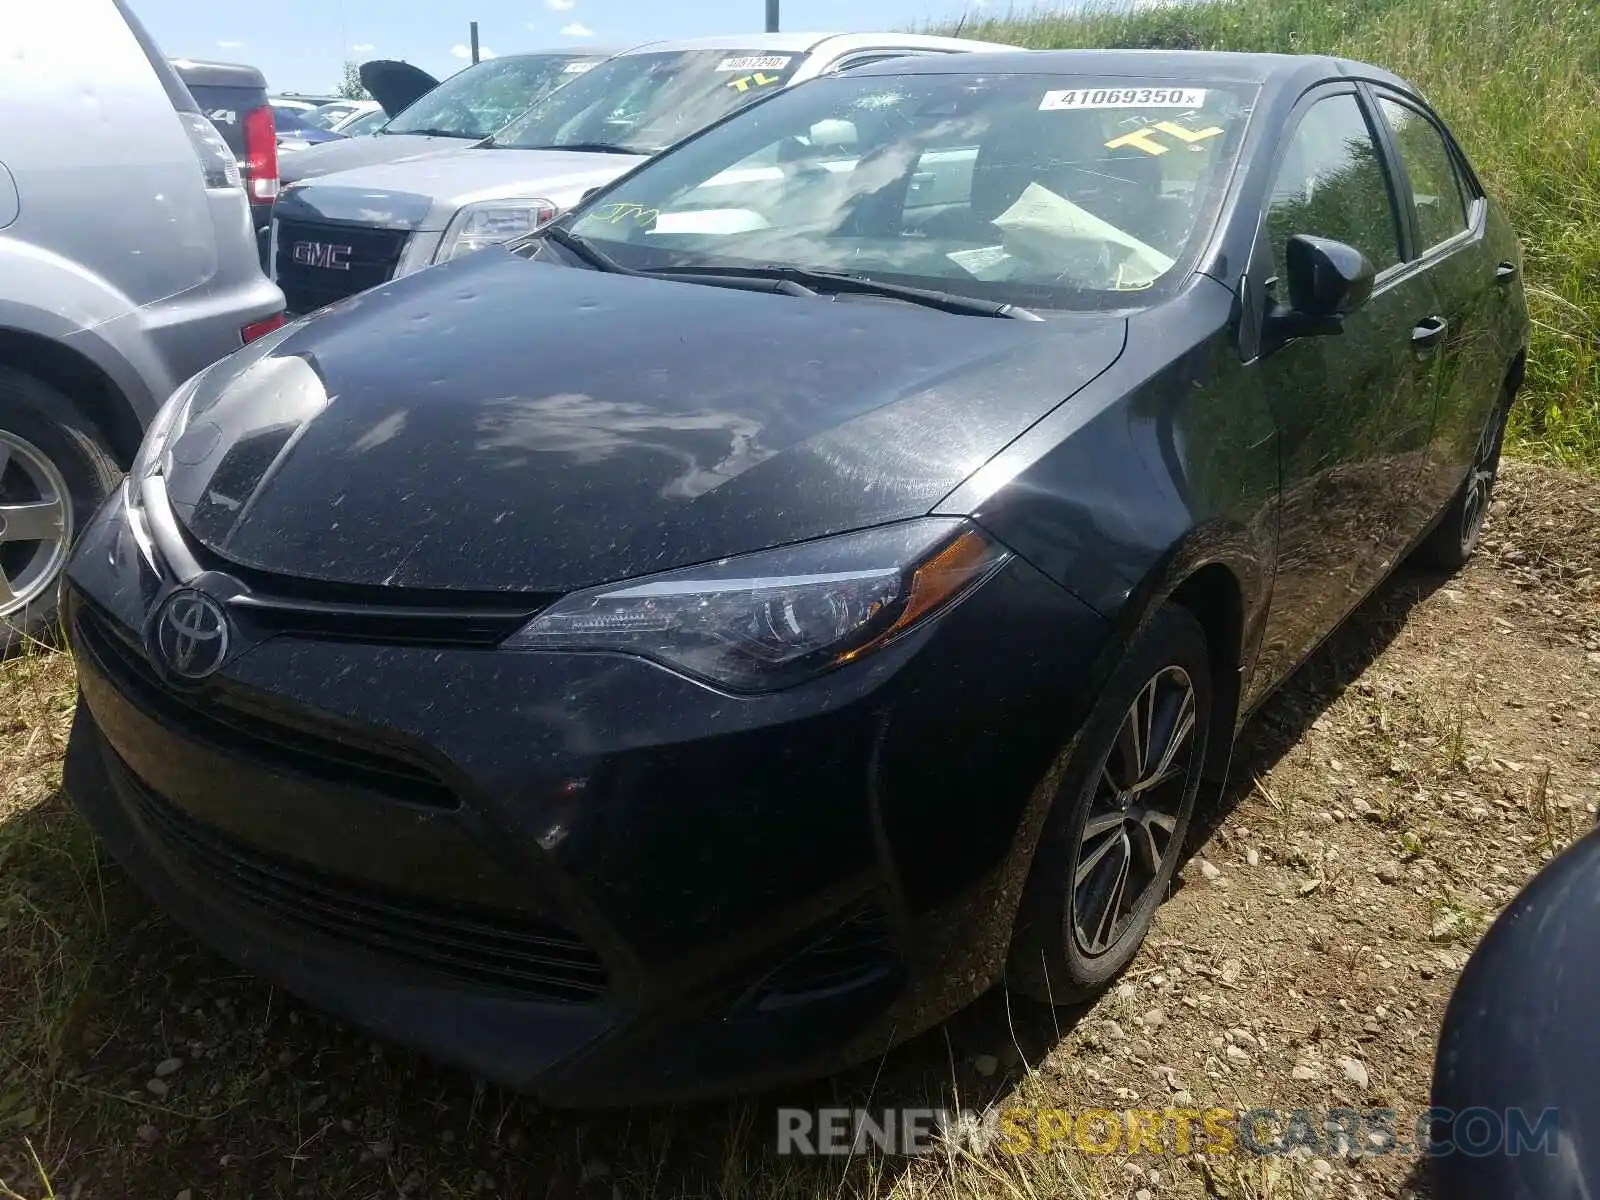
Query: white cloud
[463, 51]
[561, 5]
[577, 29]
[230, 44]
[363, 47]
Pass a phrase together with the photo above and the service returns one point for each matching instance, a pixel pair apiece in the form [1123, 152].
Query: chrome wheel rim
[1129, 834]
[1480, 482]
[35, 524]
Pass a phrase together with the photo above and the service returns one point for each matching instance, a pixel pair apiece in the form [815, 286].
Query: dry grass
[1386, 804]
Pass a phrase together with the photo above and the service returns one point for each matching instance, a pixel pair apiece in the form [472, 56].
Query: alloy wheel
[35, 524]
[1480, 481]
[1127, 835]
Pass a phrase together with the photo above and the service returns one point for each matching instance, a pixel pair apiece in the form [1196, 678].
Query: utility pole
[772, 16]
[475, 36]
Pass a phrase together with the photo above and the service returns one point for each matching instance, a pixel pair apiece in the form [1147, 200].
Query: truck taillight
[261, 155]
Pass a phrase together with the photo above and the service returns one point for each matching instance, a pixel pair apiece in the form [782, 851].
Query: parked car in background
[363, 122]
[336, 112]
[127, 263]
[296, 130]
[430, 117]
[385, 221]
[235, 99]
[816, 580]
[280, 105]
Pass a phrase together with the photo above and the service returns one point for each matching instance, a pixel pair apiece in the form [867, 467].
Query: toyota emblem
[191, 634]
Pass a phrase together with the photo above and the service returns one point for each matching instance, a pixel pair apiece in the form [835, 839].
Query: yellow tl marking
[1188, 135]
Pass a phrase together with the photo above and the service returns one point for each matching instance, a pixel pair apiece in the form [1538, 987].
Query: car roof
[1222, 65]
[203, 73]
[804, 43]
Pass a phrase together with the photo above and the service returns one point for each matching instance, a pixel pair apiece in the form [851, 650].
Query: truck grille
[341, 261]
[483, 948]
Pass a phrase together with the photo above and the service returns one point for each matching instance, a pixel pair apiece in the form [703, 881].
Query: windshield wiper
[579, 147]
[583, 250]
[601, 261]
[838, 282]
[449, 133]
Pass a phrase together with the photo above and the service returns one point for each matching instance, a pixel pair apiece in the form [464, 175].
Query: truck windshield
[643, 103]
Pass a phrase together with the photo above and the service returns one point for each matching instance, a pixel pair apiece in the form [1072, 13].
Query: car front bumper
[586, 876]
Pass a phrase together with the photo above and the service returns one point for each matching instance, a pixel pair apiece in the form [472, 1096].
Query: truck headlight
[490, 222]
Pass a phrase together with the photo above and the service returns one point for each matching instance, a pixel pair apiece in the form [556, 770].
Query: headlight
[763, 621]
[490, 222]
[172, 416]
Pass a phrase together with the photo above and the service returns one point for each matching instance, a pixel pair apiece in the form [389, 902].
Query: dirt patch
[1385, 805]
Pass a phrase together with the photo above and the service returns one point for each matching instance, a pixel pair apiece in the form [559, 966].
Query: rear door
[1447, 215]
[1353, 410]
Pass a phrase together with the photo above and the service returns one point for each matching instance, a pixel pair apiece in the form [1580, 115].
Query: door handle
[1427, 335]
[1505, 273]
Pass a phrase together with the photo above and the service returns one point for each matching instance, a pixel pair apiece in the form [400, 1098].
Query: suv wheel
[54, 472]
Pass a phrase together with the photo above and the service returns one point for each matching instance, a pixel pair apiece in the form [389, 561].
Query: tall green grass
[1519, 83]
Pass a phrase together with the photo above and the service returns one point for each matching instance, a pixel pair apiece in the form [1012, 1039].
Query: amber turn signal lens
[937, 582]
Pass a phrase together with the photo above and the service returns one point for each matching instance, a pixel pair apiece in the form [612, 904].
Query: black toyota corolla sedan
[813, 580]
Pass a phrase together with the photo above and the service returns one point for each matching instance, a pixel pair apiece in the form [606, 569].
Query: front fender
[1163, 465]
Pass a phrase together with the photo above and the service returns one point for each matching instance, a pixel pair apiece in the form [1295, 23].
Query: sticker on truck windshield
[772, 62]
[1142, 97]
[576, 68]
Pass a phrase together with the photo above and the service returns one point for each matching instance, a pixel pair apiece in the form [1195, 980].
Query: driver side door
[1353, 410]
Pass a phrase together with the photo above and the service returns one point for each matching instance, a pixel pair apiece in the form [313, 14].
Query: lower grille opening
[852, 954]
[275, 743]
[487, 950]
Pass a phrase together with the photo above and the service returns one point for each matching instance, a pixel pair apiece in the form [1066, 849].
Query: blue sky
[300, 44]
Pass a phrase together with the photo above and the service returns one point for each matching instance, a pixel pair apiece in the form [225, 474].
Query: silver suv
[127, 263]
[351, 230]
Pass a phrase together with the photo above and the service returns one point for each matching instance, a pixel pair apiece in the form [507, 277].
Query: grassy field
[1519, 83]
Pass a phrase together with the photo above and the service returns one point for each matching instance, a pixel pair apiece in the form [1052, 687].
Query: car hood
[500, 424]
[396, 86]
[440, 184]
[349, 153]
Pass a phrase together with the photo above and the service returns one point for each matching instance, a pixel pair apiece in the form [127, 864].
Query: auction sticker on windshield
[772, 62]
[576, 68]
[1143, 97]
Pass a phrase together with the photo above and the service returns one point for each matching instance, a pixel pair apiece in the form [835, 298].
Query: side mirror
[1327, 280]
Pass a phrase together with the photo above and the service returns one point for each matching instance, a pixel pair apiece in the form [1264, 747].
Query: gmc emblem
[321, 254]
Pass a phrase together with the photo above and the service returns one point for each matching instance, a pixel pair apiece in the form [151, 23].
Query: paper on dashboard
[1043, 225]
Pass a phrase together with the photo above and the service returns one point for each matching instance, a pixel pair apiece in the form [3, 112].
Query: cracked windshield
[1052, 192]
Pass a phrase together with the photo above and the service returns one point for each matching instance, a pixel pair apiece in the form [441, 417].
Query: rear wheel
[1117, 827]
[54, 472]
[1455, 537]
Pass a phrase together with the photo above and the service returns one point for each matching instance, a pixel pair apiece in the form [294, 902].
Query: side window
[1332, 184]
[1435, 187]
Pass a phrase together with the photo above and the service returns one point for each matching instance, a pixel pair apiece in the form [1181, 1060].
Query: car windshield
[643, 103]
[329, 115]
[368, 122]
[475, 102]
[1045, 191]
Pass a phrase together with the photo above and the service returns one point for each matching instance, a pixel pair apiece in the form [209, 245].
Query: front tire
[1117, 826]
[54, 472]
